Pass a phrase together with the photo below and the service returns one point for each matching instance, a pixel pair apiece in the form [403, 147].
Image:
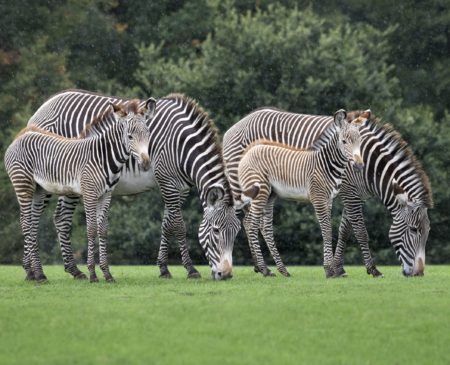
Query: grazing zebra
[391, 172]
[40, 162]
[184, 152]
[270, 168]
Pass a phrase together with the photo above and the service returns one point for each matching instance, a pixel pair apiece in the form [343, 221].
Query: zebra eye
[215, 231]
[130, 137]
[344, 141]
[413, 230]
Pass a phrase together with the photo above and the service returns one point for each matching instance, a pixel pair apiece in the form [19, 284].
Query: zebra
[184, 151]
[391, 173]
[272, 169]
[40, 162]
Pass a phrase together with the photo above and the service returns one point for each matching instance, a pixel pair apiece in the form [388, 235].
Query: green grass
[304, 319]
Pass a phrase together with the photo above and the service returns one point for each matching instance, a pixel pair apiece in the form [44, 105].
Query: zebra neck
[113, 148]
[332, 157]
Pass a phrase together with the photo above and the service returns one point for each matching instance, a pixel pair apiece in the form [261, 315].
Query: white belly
[130, 183]
[290, 192]
[71, 188]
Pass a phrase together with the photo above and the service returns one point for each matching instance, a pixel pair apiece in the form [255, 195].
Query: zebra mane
[98, 123]
[199, 119]
[386, 133]
[40, 131]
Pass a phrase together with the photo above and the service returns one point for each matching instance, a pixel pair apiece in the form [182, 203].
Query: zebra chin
[417, 270]
[223, 271]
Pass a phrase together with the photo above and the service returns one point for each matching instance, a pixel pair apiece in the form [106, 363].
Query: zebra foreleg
[356, 222]
[267, 233]
[102, 231]
[323, 213]
[251, 224]
[90, 206]
[173, 224]
[344, 234]
[63, 223]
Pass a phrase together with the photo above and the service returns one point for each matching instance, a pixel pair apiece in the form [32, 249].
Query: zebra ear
[340, 118]
[215, 194]
[150, 106]
[117, 110]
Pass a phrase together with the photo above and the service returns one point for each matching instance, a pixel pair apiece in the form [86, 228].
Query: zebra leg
[25, 223]
[323, 213]
[90, 207]
[267, 233]
[63, 223]
[356, 218]
[251, 224]
[102, 231]
[173, 224]
[255, 267]
[344, 234]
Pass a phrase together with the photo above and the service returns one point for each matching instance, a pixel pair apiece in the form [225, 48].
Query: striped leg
[102, 231]
[354, 219]
[173, 224]
[252, 222]
[63, 223]
[90, 206]
[267, 233]
[323, 212]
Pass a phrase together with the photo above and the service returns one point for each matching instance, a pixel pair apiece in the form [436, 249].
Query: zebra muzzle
[144, 161]
[358, 162]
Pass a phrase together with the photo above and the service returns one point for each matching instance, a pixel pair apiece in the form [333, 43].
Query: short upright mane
[397, 145]
[96, 123]
[199, 119]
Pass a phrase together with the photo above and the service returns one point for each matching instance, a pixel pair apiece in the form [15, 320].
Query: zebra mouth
[144, 162]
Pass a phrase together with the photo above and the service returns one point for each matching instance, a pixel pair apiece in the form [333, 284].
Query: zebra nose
[359, 163]
[145, 162]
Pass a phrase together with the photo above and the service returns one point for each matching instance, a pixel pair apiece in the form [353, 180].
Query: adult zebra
[184, 152]
[391, 172]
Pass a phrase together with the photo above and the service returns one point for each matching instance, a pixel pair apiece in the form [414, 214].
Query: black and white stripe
[39, 162]
[391, 172]
[269, 169]
[184, 152]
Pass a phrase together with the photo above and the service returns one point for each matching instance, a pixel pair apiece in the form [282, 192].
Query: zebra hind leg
[63, 223]
[267, 233]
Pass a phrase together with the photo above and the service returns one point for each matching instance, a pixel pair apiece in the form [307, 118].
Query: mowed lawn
[304, 319]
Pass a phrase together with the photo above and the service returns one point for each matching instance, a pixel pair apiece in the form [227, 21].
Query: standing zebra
[391, 172]
[270, 168]
[184, 152]
[39, 162]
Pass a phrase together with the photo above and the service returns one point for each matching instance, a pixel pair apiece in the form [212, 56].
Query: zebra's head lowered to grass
[217, 232]
[136, 134]
[409, 232]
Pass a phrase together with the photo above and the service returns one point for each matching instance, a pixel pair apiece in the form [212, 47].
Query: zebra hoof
[255, 269]
[340, 273]
[329, 272]
[194, 274]
[285, 274]
[80, 276]
[374, 272]
[30, 276]
[110, 279]
[93, 279]
[41, 279]
[268, 273]
[166, 275]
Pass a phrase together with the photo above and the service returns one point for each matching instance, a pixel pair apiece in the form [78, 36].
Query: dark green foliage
[233, 57]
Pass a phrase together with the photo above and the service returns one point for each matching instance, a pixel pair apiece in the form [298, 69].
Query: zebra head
[409, 233]
[217, 232]
[349, 136]
[136, 136]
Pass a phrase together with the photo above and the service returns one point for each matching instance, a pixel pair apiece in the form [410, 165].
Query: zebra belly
[286, 191]
[134, 183]
[71, 188]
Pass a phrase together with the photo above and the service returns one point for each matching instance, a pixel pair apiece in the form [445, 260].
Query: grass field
[304, 319]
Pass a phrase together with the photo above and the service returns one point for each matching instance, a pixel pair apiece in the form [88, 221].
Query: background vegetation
[234, 56]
